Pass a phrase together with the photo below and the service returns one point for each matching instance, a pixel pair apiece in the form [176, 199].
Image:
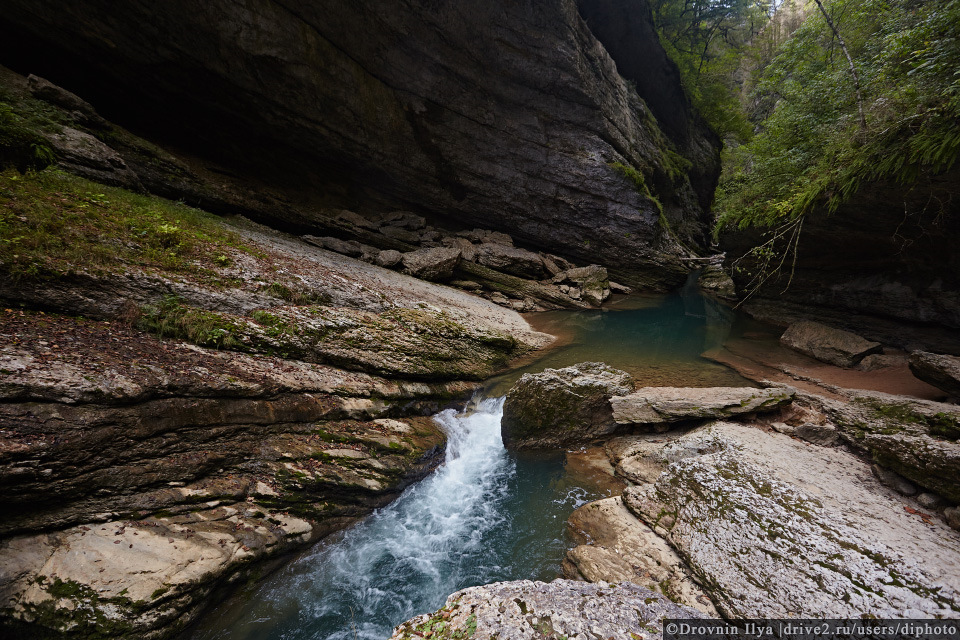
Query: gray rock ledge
[526, 610]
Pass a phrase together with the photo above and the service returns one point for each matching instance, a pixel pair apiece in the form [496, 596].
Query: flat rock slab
[617, 547]
[136, 576]
[940, 370]
[778, 528]
[656, 405]
[561, 407]
[525, 610]
[824, 343]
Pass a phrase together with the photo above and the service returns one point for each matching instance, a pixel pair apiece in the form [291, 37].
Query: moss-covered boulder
[563, 407]
[916, 438]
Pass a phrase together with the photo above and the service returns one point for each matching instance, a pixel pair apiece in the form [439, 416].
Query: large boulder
[562, 407]
[775, 528]
[437, 263]
[941, 371]
[83, 154]
[658, 405]
[509, 259]
[526, 610]
[592, 280]
[833, 346]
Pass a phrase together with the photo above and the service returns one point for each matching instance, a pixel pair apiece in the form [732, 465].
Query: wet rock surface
[560, 407]
[525, 610]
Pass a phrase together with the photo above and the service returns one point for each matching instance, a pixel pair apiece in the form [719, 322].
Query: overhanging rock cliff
[501, 115]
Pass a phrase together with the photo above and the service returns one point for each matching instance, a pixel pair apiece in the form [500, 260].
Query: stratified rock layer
[657, 405]
[142, 475]
[774, 528]
[916, 438]
[507, 116]
[525, 610]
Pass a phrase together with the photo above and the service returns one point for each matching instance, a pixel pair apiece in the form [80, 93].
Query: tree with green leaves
[706, 38]
[865, 91]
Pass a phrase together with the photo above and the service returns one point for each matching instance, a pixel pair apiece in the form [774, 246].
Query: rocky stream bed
[189, 400]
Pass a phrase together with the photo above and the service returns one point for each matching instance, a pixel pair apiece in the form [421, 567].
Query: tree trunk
[853, 69]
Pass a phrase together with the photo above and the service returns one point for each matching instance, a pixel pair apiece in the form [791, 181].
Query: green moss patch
[53, 224]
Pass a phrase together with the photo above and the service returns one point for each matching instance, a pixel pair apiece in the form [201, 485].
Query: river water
[486, 514]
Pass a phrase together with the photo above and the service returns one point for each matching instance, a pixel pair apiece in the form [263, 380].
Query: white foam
[409, 553]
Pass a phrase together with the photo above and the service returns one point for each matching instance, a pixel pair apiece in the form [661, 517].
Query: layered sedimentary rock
[809, 535]
[508, 116]
[144, 473]
[889, 252]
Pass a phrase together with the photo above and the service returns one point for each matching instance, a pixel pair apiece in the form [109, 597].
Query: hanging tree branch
[853, 69]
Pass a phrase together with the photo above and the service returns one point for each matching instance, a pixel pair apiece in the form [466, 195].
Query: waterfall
[406, 558]
[483, 516]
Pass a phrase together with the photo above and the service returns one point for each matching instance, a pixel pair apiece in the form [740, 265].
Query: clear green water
[487, 514]
[658, 339]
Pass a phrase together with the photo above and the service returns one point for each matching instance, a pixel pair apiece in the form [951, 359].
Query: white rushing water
[421, 547]
[473, 521]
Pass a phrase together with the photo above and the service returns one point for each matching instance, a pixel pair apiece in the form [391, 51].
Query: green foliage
[53, 224]
[706, 39]
[639, 182]
[812, 151]
[172, 319]
[634, 176]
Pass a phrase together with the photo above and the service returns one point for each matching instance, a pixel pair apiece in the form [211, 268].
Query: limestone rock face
[616, 547]
[889, 250]
[776, 528]
[525, 610]
[916, 438]
[655, 405]
[559, 407]
[941, 371]
[834, 346]
[503, 116]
